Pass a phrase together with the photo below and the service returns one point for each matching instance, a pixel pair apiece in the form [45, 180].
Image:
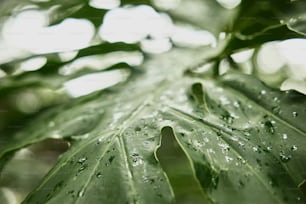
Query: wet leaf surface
[236, 139]
[236, 132]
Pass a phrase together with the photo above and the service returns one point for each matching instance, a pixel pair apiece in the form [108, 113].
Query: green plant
[173, 132]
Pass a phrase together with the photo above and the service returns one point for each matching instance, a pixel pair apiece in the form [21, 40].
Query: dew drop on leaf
[224, 147]
[82, 168]
[241, 160]
[283, 157]
[294, 148]
[228, 159]
[81, 193]
[294, 114]
[71, 193]
[82, 160]
[228, 118]
[255, 149]
[99, 141]
[241, 184]
[137, 129]
[111, 158]
[99, 175]
[149, 180]
[234, 138]
[137, 160]
[269, 127]
[236, 104]
[58, 186]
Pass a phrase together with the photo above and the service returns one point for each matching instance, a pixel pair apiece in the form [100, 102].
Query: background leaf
[258, 22]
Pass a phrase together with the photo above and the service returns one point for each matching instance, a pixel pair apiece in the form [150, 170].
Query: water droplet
[71, 193]
[99, 175]
[283, 157]
[234, 138]
[246, 133]
[241, 160]
[58, 186]
[285, 136]
[137, 129]
[224, 147]
[137, 160]
[198, 144]
[99, 141]
[241, 144]
[294, 148]
[111, 158]
[182, 134]
[228, 118]
[241, 184]
[294, 114]
[82, 168]
[228, 159]
[269, 127]
[149, 180]
[81, 193]
[82, 160]
[236, 104]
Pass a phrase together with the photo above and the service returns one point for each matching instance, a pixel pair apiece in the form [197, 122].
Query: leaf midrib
[118, 134]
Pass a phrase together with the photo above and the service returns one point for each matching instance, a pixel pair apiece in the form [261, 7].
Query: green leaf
[241, 148]
[273, 33]
[236, 140]
[258, 22]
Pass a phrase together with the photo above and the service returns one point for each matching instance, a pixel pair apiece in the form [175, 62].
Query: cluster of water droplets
[83, 165]
[136, 159]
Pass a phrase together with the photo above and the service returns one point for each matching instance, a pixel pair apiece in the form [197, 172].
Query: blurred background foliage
[47, 47]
